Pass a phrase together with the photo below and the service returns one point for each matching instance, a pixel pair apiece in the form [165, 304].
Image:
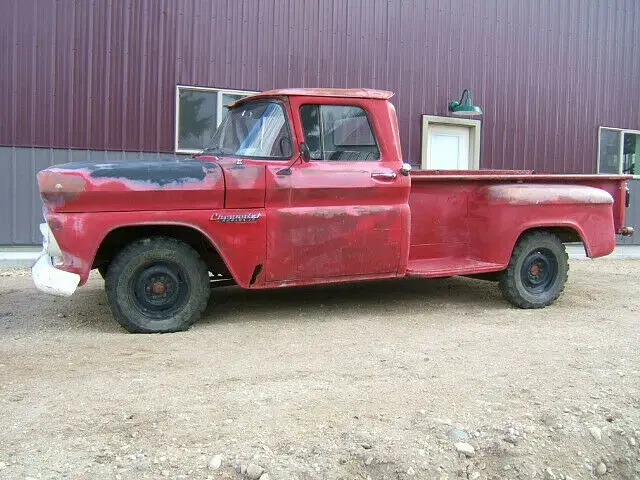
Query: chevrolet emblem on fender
[239, 218]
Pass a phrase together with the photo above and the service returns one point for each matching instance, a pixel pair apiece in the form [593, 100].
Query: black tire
[537, 271]
[157, 285]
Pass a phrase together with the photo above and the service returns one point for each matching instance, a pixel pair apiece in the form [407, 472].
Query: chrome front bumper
[47, 278]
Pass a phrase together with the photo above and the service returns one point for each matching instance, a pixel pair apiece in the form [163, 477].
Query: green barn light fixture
[464, 106]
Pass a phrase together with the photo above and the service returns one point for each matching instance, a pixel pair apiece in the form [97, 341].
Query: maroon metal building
[98, 78]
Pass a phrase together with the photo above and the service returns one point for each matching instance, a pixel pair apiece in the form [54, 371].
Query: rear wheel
[537, 271]
[157, 285]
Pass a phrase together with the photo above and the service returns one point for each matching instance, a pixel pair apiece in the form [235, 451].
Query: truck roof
[322, 92]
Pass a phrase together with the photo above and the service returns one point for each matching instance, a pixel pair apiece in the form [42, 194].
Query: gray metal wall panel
[7, 201]
[20, 204]
[23, 196]
[102, 75]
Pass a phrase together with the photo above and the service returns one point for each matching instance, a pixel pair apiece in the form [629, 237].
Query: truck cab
[332, 189]
[307, 186]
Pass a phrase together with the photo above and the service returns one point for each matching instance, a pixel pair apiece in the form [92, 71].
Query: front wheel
[157, 285]
[103, 269]
[537, 271]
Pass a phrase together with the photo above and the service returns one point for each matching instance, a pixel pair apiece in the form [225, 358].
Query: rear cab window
[339, 133]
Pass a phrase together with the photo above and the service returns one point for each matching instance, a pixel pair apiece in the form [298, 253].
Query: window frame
[321, 130]
[287, 123]
[622, 131]
[219, 106]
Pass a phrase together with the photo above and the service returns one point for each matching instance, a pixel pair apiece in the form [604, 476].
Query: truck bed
[453, 211]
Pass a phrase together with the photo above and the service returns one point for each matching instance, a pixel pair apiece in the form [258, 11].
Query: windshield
[254, 129]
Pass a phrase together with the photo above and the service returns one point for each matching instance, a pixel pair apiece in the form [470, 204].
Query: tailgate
[617, 188]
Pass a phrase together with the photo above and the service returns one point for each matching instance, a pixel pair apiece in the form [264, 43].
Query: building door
[448, 148]
[450, 143]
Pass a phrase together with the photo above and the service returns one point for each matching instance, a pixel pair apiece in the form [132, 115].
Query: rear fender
[502, 213]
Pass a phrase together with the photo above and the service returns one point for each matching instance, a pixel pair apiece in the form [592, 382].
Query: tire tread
[181, 250]
[508, 281]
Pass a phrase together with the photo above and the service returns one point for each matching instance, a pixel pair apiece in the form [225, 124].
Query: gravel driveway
[425, 379]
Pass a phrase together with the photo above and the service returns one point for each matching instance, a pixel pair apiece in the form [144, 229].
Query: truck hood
[133, 185]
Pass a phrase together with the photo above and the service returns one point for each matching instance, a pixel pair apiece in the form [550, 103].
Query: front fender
[238, 235]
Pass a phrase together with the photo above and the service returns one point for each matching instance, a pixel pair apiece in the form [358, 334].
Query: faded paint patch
[520, 194]
[245, 187]
[129, 186]
[350, 212]
[158, 173]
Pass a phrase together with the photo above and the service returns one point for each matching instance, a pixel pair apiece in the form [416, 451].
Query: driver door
[344, 214]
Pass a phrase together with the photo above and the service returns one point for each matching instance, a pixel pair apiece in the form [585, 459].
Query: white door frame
[474, 127]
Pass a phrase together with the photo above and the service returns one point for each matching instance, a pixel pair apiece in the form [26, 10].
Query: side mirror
[304, 152]
[405, 169]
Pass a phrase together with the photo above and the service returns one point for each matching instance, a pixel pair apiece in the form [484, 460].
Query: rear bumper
[49, 279]
[626, 231]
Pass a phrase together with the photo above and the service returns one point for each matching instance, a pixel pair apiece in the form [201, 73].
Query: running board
[449, 266]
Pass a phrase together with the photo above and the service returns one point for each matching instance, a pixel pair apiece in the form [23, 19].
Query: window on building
[619, 151]
[199, 111]
[338, 132]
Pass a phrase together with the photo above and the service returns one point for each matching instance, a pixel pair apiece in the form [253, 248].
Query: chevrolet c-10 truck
[308, 186]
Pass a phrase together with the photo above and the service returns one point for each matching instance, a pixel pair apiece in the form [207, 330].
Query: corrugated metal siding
[101, 74]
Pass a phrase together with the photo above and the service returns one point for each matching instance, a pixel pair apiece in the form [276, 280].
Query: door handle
[384, 175]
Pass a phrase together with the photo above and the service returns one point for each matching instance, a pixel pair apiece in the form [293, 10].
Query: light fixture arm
[465, 105]
[465, 93]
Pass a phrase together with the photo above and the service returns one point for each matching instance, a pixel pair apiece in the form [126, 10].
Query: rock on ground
[254, 472]
[215, 462]
[465, 448]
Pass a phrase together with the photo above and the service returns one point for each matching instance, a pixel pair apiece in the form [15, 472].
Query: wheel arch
[122, 235]
[566, 232]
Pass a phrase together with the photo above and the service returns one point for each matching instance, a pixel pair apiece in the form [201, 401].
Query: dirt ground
[376, 380]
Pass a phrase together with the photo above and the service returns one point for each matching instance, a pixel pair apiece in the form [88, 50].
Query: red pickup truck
[308, 186]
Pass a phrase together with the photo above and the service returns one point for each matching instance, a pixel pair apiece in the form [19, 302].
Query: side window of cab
[338, 132]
